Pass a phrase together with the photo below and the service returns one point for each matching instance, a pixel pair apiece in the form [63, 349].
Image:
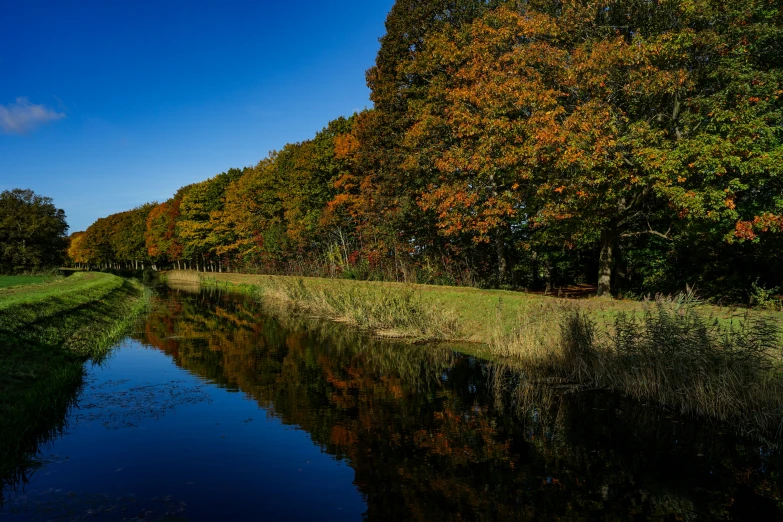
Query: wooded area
[32, 232]
[634, 144]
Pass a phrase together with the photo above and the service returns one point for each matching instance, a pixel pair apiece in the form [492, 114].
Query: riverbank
[47, 332]
[421, 312]
[689, 356]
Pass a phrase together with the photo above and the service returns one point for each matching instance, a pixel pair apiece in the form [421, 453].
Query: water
[215, 410]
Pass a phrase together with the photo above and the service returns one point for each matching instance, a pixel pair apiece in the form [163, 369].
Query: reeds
[674, 354]
[387, 311]
[182, 276]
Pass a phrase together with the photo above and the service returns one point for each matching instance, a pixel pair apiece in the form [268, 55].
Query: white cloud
[22, 116]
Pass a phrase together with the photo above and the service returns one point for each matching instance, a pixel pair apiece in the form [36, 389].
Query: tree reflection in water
[434, 435]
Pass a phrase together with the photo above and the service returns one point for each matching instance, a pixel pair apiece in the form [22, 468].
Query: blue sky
[105, 105]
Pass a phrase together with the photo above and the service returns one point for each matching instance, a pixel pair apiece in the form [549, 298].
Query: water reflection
[433, 435]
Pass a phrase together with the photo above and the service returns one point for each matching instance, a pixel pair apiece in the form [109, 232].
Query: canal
[219, 409]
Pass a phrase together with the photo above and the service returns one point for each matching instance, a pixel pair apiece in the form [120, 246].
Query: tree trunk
[606, 261]
[500, 248]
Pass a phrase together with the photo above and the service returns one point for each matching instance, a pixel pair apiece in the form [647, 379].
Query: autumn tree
[476, 129]
[161, 240]
[309, 172]
[76, 251]
[254, 212]
[397, 221]
[128, 236]
[605, 111]
[159, 231]
[200, 212]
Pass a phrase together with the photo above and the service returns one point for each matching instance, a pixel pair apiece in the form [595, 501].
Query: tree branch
[651, 232]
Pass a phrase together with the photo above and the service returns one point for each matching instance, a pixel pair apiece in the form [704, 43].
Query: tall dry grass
[182, 277]
[673, 354]
[392, 312]
[388, 311]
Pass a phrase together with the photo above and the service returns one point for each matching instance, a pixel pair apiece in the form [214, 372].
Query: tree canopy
[32, 232]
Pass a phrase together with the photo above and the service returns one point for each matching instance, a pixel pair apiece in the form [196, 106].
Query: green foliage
[32, 232]
[199, 213]
[764, 297]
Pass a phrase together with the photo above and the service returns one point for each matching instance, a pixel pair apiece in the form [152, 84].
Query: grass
[47, 332]
[689, 356]
[393, 311]
[8, 281]
[677, 353]
[469, 314]
[466, 314]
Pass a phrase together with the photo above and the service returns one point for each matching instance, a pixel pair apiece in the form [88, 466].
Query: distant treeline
[632, 144]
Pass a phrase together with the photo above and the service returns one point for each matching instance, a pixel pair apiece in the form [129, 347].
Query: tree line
[632, 144]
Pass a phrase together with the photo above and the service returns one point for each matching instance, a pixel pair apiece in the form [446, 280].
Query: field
[685, 354]
[47, 332]
[8, 281]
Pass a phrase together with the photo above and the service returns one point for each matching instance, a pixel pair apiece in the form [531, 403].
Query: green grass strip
[9, 281]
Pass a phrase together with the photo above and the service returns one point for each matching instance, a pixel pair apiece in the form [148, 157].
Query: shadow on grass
[674, 354]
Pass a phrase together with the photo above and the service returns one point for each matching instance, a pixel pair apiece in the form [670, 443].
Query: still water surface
[216, 410]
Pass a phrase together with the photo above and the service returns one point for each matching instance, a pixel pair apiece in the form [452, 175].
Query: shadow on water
[435, 435]
[21, 449]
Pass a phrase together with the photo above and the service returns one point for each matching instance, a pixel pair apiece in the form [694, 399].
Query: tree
[397, 222]
[200, 212]
[76, 251]
[475, 129]
[32, 232]
[128, 236]
[160, 237]
[618, 114]
[308, 172]
[253, 208]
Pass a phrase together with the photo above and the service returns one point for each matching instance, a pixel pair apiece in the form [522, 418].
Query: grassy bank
[689, 356]
[395, 309]
[47, 332]
[428, 312]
